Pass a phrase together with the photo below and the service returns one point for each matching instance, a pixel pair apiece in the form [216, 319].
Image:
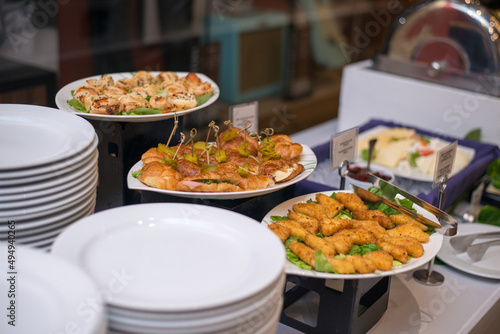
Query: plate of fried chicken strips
[235, 166]
[338, 235]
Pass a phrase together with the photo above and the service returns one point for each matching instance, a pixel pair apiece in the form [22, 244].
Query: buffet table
[462, 304]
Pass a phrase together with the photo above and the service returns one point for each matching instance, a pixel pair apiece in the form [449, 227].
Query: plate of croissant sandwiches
[235, 165]
[140, 96]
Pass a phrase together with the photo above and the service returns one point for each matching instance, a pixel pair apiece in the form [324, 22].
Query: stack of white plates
[180, 268]
[44, 294]
[48, 172]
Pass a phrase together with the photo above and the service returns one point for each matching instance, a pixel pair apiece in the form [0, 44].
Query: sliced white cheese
[282, 174]
[391, 155]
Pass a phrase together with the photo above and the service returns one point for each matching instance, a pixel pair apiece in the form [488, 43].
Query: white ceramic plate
[40, 226]
[72, 187]
[307, 159]
[487, 267]
[64, 94]
[47, 171]
[49, 208]
[167, 254]
[258, 313]
[430, 249]
[50, 186]
[405, 170]
[201, 315]
[52, 294]
[35, 136]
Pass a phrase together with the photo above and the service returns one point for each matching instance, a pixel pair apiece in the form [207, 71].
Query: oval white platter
[430, 249]
[307, 159]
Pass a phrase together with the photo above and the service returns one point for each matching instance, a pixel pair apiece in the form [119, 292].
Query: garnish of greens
[322, 265]
[493, 172]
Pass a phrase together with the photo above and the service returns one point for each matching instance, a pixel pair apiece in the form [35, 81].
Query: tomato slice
[425, 151]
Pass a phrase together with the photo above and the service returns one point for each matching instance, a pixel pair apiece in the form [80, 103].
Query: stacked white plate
[48, 172]
[44, 294]
[180, 268]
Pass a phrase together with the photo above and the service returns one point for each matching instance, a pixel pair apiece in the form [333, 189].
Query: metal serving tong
[448, 224]
[462, 242]
[476, 251]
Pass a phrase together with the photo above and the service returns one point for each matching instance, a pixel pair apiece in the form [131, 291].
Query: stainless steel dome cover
[449, 42]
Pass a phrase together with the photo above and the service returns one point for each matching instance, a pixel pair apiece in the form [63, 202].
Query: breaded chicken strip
[397, 252]
[412, 245]
[376, 215]
[332, 206]
[381, 259]
[362, 265]
[305, 253]
[351, 201]
[342, 266]
[330, 226]
[359, 236]
[410, 230]
[281, 231]
[402, 219]
[367, 195]
[309, 223]
[369, 225]
[342, 243]
[310, 209]
[315, 242]
[296, 229]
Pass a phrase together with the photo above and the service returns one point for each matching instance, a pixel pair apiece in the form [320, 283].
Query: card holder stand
[345, 306]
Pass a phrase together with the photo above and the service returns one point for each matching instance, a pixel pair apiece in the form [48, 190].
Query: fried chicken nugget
[402, 219]
[412, 245]
[367, 195]
[296, 230]
[332, 206]
[330, 226]
[376, 215]
[315, 242]
[381, 259]
[359, 236]
[304, 252]
[281, 231]
[342, 266]
[397, 252]
[309, 223]
[310, 209]
[369, 225]
[362, 265]
[342, 243]
[351, 201]
[410, 230]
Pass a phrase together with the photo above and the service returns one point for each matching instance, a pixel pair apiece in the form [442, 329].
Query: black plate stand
[121, 145]
[350, 306]
[254, 207]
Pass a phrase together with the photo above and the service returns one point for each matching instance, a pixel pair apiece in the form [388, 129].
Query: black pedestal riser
[121, 145]
[253, 207]
[355, 309]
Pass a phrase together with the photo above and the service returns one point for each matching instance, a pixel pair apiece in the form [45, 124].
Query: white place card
[445, 158]
[343, 147]
[240, 113]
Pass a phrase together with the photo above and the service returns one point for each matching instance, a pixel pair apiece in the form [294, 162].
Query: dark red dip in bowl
[359, 173]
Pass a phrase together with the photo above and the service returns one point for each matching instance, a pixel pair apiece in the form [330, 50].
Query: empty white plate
[39, 135]
[168, 253]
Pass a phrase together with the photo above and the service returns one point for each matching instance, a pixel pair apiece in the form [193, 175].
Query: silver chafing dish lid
[449, 42]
